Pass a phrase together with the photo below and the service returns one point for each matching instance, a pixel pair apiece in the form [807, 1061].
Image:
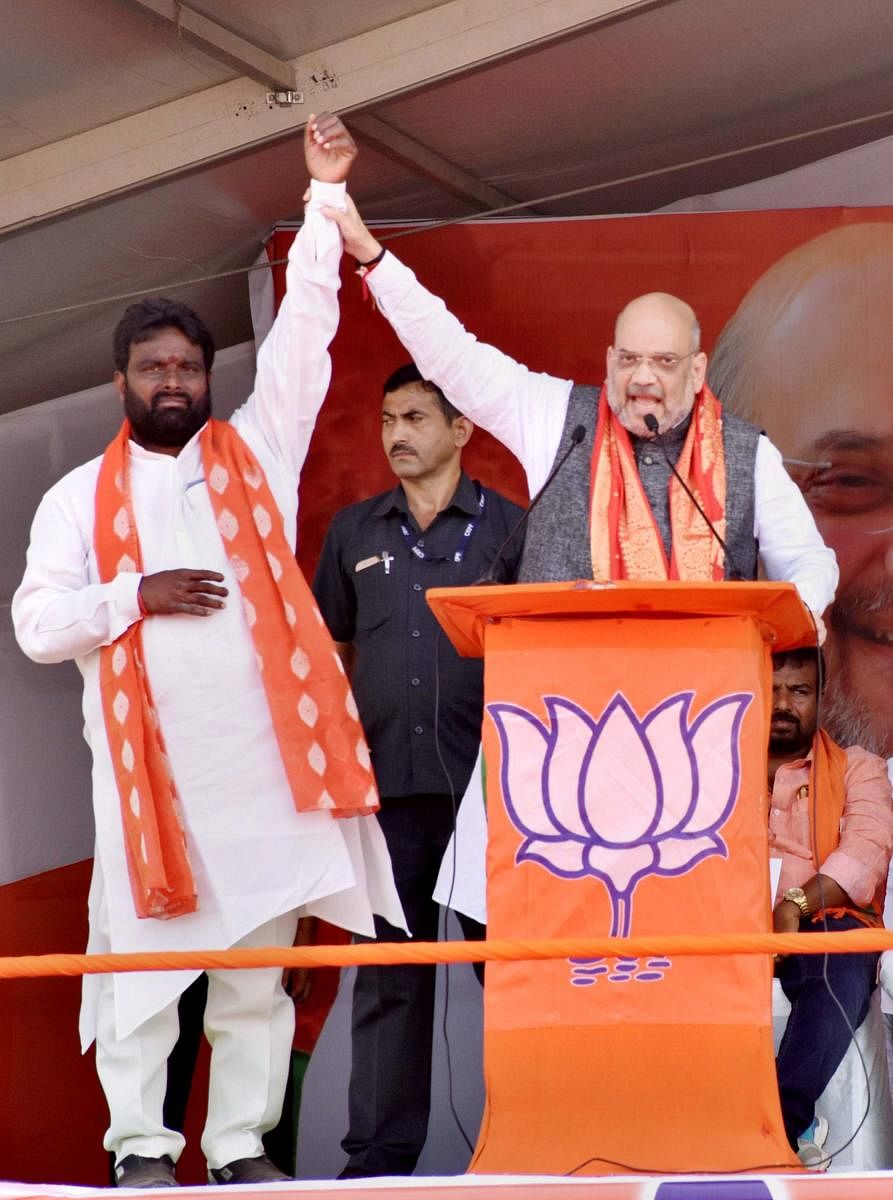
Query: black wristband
[373, 262]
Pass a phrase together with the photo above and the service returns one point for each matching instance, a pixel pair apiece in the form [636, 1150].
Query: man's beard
[795, 742]
[846, 715]
[168, 427]
[617, 402]
[847, 720]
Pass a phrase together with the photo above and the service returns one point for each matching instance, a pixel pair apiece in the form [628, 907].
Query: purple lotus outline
[680, 782]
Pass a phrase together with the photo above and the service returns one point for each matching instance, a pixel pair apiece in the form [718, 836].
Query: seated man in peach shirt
[831, 822]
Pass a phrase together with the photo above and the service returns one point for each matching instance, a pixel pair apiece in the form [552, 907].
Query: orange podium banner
[625, 735]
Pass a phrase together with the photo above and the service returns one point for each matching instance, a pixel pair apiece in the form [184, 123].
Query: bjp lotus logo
[619, 796]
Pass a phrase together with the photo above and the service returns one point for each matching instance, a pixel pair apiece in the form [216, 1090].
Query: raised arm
[523, 409]
[293, 364]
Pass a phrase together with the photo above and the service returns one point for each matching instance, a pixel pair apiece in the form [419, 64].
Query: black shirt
[370, 587]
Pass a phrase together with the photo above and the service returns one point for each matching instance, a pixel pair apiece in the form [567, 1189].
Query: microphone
[651, 423]
[577, 434]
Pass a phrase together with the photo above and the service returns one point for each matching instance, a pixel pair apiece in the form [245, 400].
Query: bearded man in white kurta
[234, 849]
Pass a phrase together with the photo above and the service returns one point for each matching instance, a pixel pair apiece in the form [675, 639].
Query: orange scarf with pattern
[628, 545]
[313, 711]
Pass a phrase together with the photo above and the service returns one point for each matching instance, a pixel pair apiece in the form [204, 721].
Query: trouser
[393, 1007]
[249, 1023]
[184, 1056]
[817, 1036]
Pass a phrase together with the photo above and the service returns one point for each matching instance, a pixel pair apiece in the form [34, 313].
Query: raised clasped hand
[329, 150]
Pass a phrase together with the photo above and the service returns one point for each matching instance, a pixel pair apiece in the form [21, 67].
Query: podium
[625, 737]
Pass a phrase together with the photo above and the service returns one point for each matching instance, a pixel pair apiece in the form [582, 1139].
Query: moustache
[159, 396]
[401, 448]
[783, 718]
[858, 602]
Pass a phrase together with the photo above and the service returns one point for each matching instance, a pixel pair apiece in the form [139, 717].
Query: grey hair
[726, 370]
[732, 371]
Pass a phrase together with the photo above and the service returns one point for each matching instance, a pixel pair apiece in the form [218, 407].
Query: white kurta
[253, 855]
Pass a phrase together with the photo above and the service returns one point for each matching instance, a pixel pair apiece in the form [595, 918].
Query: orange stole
[312, 708]
[625, 540]
[827, 778]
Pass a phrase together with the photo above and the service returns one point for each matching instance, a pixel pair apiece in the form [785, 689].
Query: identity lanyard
[467, 533]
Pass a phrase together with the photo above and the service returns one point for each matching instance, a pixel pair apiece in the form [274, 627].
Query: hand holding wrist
[364, 249]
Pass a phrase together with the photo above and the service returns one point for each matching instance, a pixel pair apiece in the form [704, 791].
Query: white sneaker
[810, 1143]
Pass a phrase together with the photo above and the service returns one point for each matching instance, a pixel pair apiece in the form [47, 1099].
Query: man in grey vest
[615, 510]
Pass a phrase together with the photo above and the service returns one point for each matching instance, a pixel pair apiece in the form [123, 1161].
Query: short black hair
[409, 373]
[146, 317]
[800, 657]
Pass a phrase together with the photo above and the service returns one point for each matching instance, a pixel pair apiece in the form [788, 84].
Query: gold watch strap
[798, 896]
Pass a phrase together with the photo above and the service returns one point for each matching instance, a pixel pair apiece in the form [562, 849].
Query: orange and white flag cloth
[313, 711]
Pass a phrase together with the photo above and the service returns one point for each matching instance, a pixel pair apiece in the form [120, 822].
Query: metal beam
[446, 40]
[419, 158]
[221, 43]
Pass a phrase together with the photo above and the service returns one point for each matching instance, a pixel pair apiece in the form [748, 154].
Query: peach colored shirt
[861, 861]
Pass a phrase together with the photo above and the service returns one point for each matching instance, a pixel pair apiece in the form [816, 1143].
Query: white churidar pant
[249, 1022]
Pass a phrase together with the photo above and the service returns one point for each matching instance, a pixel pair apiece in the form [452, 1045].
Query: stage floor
[841, 1186]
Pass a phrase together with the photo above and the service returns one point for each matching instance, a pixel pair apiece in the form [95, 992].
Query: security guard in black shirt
[436, 528]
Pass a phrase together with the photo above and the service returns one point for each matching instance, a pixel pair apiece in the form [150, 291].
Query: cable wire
[455, 809]
[829, 1156]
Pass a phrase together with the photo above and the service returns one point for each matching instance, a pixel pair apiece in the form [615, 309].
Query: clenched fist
[329, 150]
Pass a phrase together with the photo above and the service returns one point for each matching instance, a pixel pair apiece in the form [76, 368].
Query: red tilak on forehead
[175, 357]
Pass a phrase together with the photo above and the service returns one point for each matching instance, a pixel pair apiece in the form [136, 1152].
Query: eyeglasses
[662, 364]
[846, 485]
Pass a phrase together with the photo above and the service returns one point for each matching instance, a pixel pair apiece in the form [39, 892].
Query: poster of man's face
[808, 356]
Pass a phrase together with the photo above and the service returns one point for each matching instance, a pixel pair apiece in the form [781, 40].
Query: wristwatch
[797, 896]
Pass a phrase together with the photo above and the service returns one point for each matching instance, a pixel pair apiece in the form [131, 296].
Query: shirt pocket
[375, 590]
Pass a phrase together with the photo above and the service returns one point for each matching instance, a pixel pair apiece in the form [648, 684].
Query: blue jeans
[817, 1037]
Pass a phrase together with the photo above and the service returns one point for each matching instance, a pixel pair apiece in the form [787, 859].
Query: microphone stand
[653, 427]
[577, 435]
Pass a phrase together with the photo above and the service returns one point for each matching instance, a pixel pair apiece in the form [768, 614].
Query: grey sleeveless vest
[557, 543]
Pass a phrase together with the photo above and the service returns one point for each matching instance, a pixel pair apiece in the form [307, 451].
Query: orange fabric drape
[314, 715]
[624, 537]
[827, 779]
[625, 793]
